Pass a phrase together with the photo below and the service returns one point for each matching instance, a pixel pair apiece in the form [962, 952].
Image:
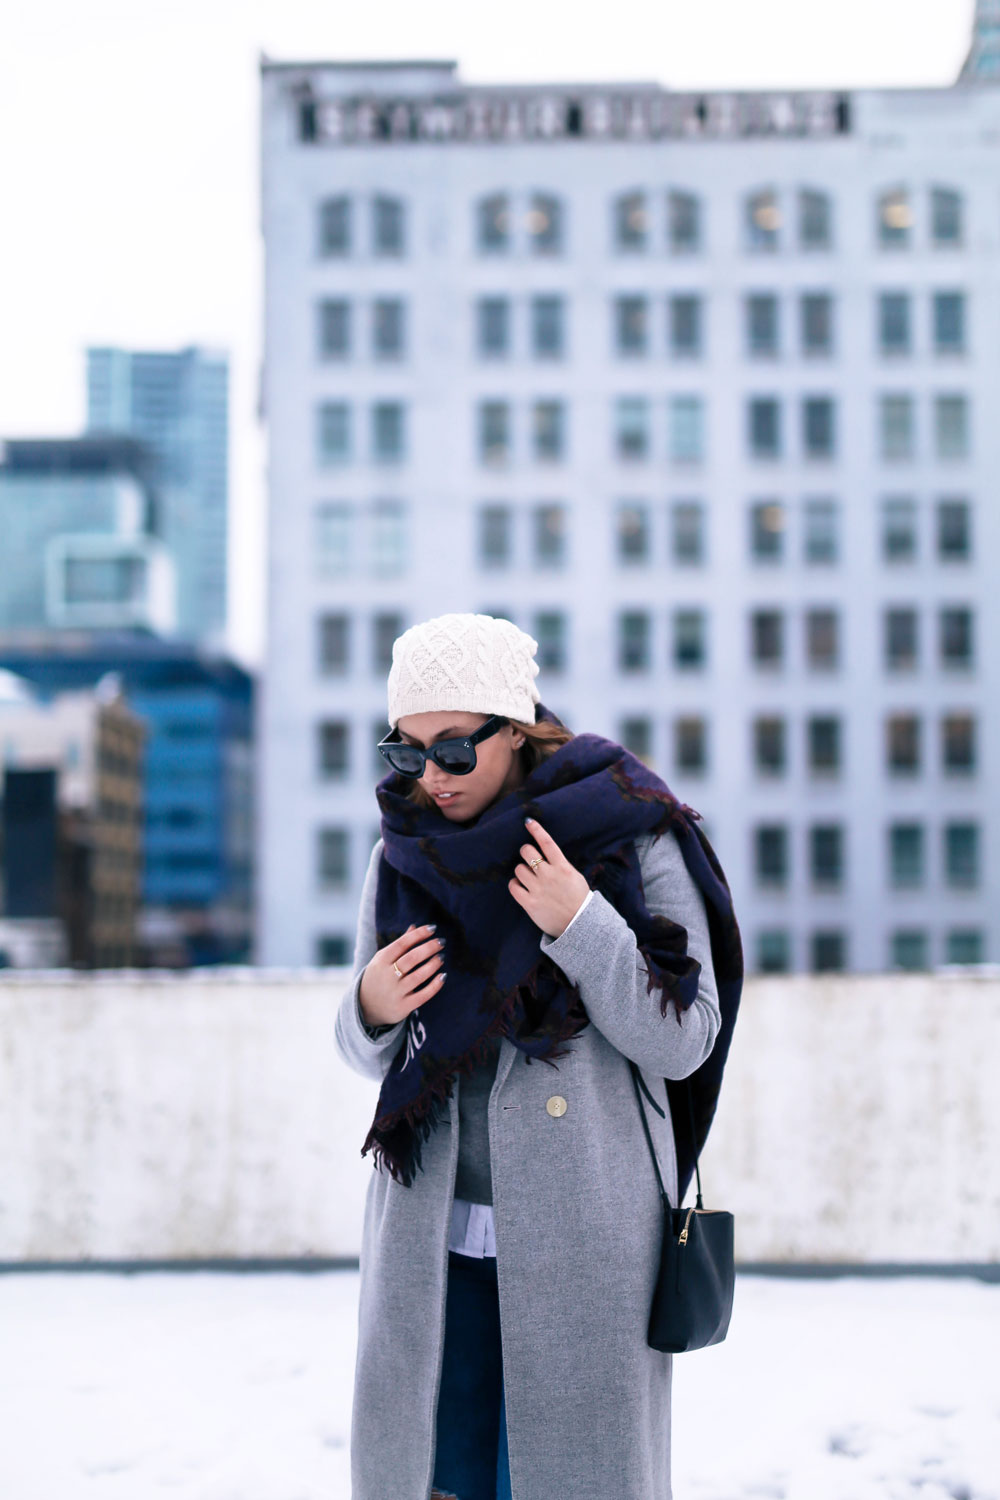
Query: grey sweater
[668, 888]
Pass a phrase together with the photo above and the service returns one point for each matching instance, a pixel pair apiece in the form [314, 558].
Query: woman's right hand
[386, 999]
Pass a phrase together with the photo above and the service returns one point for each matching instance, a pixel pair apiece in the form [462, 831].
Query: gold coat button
[556, 1105]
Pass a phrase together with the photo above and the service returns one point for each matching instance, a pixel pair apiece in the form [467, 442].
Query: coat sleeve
[598, 952]
[368, 1050]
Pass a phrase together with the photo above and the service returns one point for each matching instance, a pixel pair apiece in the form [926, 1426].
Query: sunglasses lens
[405, 759]
[457, 760]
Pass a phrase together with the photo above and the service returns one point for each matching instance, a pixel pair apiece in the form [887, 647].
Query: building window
[492, 327]
[548, 319]
[826, 855]
[685, 326]
[767, 531]
[494, 432]
[333, 747]
[388, 328]
[333, 433]
[818, 427]
[389, 539]
[550, 632]
[903, 744]
[899, 529]
[388, 432]
[632, 532]
[951, 426]
[334, 538]
[495, 536]
[764, 427]
[761, 315]
[335, 228]
[548, 431]
[686, 416]
[684, 223]
[958, 744]
[828, 950]
[955, 636]
[388, 226]
[493, 224]
[333, 950]
[767, 637]
[637, 736]
[386, 629]
[815, 220]
[549, 535]
[333, 330]
[954, 531]
[687, 532]
[894, 324]
[900, 639]
[545, 224]
[961, 854]
[631, 221]
[334, 644]
[771, 855]
[773, 951]
[821, 532]
[823, 740]
[690, 639]
[691, 744]
[894, 220]
[631, 315]
[633, 641]
[816, 324]
[762, 220]
[946, 218]
[631, 427]
[769, 745]
[906, 855]
[896, 427]
[964, 946]
[949, 323]
[333, 861]
[822, 639]
[909, 948]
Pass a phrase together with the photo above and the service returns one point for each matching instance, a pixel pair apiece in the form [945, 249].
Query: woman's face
[496, 772]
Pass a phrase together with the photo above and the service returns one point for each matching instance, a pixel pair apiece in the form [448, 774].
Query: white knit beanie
[472, 663]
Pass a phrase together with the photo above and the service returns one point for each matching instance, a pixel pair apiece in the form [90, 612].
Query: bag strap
[649, 1139]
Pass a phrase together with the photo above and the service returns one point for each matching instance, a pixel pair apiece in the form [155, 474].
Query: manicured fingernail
[529, 820]
[432, 927]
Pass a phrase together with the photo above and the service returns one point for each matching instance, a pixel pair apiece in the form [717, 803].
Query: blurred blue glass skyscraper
[178, 404]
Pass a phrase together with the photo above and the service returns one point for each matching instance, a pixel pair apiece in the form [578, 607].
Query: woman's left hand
[554, 890]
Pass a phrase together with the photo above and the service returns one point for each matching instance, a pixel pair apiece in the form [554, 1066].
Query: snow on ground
[207, 1386]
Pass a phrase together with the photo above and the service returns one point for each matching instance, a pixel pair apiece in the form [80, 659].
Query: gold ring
[534, 862]
[397, 969]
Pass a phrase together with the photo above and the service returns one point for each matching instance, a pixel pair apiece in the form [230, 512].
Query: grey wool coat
[578, 1226]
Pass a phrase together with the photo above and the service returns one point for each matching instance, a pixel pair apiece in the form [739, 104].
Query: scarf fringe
[396, 1140]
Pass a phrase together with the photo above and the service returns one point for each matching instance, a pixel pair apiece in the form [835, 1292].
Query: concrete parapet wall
[162, 1116]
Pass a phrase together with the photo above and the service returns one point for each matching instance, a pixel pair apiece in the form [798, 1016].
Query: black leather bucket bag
[693, 1296]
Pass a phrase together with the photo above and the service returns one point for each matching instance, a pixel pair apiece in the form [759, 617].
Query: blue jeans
[471, 1455]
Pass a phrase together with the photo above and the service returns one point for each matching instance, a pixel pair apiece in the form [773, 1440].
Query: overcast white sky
[128, 157]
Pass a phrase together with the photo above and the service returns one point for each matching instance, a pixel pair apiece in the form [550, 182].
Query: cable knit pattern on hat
[471, 663]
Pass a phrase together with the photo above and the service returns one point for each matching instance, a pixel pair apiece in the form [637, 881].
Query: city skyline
[143, 276]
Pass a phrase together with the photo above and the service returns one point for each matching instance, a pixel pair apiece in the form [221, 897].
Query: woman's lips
[444, 798]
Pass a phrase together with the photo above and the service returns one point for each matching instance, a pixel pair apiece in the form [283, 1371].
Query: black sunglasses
[457, 757]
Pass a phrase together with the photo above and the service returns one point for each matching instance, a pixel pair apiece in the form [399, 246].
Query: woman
[539, 910]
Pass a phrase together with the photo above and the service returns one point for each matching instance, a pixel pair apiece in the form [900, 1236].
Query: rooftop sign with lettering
[493, 116]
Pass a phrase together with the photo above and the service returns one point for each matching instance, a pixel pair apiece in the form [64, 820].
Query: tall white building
[701, 390]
